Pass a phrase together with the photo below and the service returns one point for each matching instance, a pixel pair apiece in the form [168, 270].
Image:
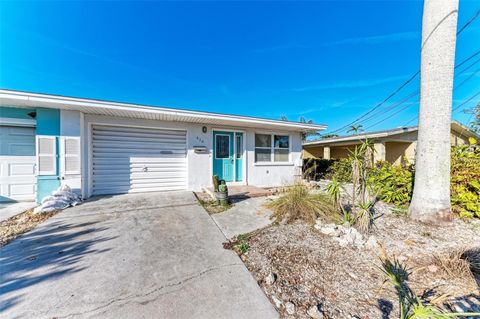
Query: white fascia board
[60, 102]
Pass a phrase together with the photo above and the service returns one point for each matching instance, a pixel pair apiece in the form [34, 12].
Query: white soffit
[26, 99]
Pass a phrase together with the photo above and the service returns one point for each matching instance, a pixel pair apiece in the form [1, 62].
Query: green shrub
[341, 170]
[316, 168]
[465, 180]
[299, 204]
[392, 184]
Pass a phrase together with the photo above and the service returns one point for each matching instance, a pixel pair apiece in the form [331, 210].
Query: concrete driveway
[156, 255]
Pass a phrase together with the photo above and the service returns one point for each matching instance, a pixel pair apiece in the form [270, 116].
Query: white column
[380, 152]
[326, 152]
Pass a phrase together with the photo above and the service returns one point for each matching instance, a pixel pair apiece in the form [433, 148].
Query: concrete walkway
[156, 255]
[8, 210]
[244, 217]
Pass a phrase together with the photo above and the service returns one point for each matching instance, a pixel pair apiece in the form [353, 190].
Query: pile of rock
[346, 235]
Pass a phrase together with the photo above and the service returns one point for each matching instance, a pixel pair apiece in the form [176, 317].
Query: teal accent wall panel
[48, 122]
[15, 112]
[46, 185]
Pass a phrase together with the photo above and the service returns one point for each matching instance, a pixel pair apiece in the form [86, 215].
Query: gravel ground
[312, 271]
[20, 224]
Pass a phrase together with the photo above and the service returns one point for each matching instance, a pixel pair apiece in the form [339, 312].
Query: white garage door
[17, 163]
[128, 160]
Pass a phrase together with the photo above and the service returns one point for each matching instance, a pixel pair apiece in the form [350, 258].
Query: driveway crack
[129, 299]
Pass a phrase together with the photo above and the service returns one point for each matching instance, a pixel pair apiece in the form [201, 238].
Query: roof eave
[25, 99]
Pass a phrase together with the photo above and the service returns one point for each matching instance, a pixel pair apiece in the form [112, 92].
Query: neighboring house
[100, 147]
[390, 145]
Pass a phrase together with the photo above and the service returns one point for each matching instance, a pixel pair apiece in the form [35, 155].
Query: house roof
[357, 138]
[11, 98]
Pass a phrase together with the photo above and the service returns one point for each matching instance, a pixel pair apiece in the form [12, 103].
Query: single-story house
[100, 147]
[390, 145]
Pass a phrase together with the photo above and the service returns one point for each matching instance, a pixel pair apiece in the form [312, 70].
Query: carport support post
[380, 152]
[326, 152]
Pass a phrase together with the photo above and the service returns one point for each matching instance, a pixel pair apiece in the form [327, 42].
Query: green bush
[392, 184]
[465, 180]
[341, 170]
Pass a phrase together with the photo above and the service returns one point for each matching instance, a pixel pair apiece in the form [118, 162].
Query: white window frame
[272, 149]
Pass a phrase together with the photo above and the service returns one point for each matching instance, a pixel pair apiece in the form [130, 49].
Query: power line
[416, 93]
[408, 81]
[466, 101]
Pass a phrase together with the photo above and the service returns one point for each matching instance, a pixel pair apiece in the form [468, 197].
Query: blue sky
[325, 61]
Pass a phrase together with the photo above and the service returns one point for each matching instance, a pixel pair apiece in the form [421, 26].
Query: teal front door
[223, 155]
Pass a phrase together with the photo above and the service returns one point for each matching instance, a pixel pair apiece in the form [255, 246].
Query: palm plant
[355, 129]
[410, 305]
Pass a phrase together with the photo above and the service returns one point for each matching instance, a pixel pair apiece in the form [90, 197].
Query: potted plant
[222, 194]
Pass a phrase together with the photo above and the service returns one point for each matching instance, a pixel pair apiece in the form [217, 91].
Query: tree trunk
[431, 193]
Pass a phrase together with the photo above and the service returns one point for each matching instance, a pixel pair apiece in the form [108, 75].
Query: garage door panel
[17, 163]
[142, 160]
[129, 154]
[156, 145]
[127, 160]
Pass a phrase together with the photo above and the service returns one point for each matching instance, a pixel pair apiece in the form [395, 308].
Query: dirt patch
[20, 224]
[312, 271]
[210, 205]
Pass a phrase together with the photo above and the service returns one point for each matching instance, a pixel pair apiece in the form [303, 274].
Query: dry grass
[210, 205]
[299, 204]
[20, 224]
[461, 266]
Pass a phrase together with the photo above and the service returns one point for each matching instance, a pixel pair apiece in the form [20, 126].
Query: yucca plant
[334, 189]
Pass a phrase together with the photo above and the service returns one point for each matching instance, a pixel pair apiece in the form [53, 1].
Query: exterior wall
[71, 126]
[313, 152]
[15, 113]
[200, 165]
[48, 123]
[396, 151]
[274, 174]
[457, 139]
[339, 152]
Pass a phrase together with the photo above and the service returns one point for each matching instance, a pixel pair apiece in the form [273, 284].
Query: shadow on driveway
[48, 252]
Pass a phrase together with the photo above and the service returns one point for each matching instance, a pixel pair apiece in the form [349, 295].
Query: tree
[475, 124]
[355, 129]
[431, 193]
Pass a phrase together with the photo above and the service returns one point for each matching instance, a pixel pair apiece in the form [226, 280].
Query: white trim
[17, 122]
[18, 98]
[83, 139]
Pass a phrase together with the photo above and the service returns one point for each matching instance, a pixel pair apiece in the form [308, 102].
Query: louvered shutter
[46, 155]
[70, 155]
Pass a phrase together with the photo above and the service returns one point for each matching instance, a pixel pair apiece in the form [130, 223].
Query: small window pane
[222, 147]
[280, 155]
[281, 141]
[262, 155]
[239, 146]
[263, 140]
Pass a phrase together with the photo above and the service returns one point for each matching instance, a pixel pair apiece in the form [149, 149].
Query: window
[272, 148]
[239, 145]
[281, 148]
[222, 146]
